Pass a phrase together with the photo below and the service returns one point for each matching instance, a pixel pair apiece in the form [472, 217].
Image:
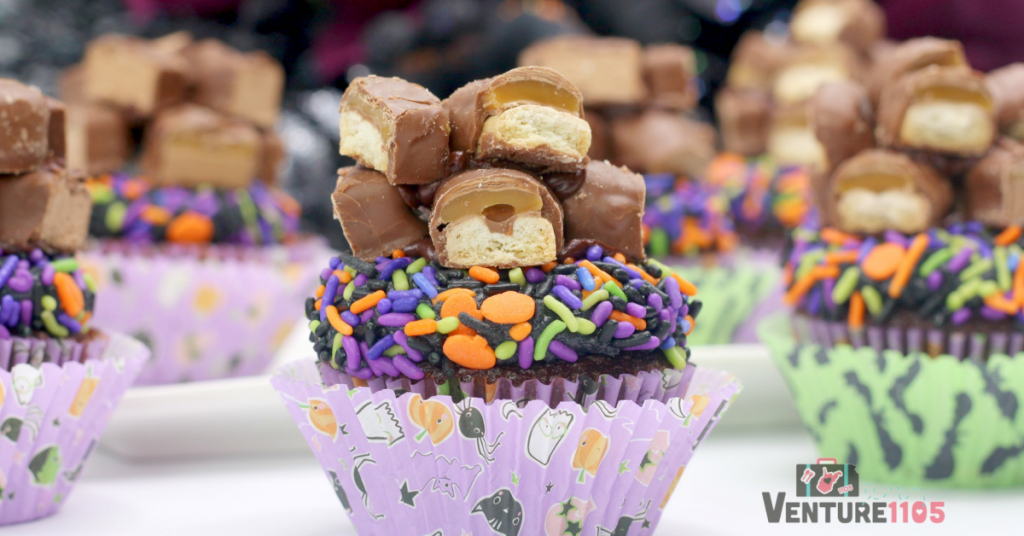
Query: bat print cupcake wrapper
[400, 464]
[54, 404]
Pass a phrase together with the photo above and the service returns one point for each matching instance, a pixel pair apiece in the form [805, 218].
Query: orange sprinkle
[619, 257]
[548, 266]
[366, 302]
[804, 284]
[647, 277]
[470, 351]
[599, 273]
[454, 292]
[837, 237]
[71, 298]
[461, 303]
[685, 286]
[343, 276]
[693, 323]
[883, 260]
[841, 257]
[639, 323]
[132, 189]
[425, 326]
[568, 260]
[857, 309]
[335, 319]
[484, 274]
[787, 274]
[317, 304]
[520, 331]
[1008, 236]
[288, 205]
[825, 272]
[1018, 285]
[155, 215]
[586, 292]
[320, 291]
[1000, 303]
[359, 382]
[508, 308]
[397, 254]
[907, 265]
[190, 228]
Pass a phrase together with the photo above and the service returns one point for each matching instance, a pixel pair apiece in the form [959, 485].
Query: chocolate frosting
[48, 209]
[744, 117]
[663, 142]
[1006, 85]
[608, 209]
[843, 120]
[909, 56]
[995, 186]
[24, 126]
[372, 214]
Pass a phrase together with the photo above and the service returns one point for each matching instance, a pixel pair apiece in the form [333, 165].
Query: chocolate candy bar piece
[24, 127]
[192, 145]
[132, 73]
[495, 217]
[670, 72]
[909, 56]
[995, 186]
[843, 120]
[607, 70]
[755, 60]
[858, 23]
[600, 135]
[808, 67]
[663, 142]
[608, 208]
[57, 128]
[48, 208]
[792, 140]
[529, 115]
[372, 214]
[245, 85]
[1006, 85]
[71, 84]
[273, 156]
[744, 116]
[396, 127]
[98, 138]
[879, 190]
[940, 109]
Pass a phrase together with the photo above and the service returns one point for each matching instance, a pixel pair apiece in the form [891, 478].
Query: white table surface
[720, 494]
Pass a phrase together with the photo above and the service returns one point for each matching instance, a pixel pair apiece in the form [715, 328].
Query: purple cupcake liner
[401, 463]
[55, 400]
[209, 312]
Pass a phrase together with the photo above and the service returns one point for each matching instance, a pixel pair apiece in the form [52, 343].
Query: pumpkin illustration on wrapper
[590, 452]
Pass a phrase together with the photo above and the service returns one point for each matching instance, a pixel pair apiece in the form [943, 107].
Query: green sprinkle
[541, 347]
[49, 303]
[586, 327]
[416, 266]
[394, 350]
[936, 260]
[1014, 249]
[58, 330]
[102, 194]
[844, 287]
[958, 297]
[90, 283]
[114, 218]
[954, 302]
[988, 288]
[809, 261]
[1002, 270]
[976, 269]
[659, 243]
[80, 316]
[247, 208]
[313, 325]
[347, 293]
[66, 265]
[665, 270]
[400, 280]
[351, 270]
[614, 290]
[516, 276]
[506, 350]
[447, 325]
[335, 345]
[563, 312]
[872, 299]
[595, 297]
[676, 356]
[425, 311]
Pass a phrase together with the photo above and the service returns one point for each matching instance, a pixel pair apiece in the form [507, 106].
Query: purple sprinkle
[675, 299]
[669, 342]
[866, 248]
[407, 368]
[385, 365]
[623, 330]
[594, 253]
[334, 263]
[649, 345]
[352, 356]
[360, 280]
[380, 346]
[399, 294]
[535, 275]
[325, 273]
[568, 283]
[601, 313]
[830, 285]
[895, 237]
[404, 305]
[682, 310]
[364, 373]
[36, 255]
[366, 315]
[431, 275]
[637, 283]
[8, 269]
[382, 260]
[635, 309]
[960, 260]
[813, 301]
[960, 316]
[21, 281]
[394, 320]
[654, 300]
[664, 315]
[402, 340]
[26, 312]
[563, 352]
[989, 313]
[24, 265]
[68, 322]
[935, 280]
[10, 310]
[396, 264]
[526, 353]
[4, 334]
[632, 273]
[384, 306]
[330, 292]
[350, 318]
[567, 297]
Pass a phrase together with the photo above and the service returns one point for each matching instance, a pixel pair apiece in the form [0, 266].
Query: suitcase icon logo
[827, 478]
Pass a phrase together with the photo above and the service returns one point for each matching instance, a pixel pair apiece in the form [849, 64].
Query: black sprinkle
[360, 292]
[435, 341]
[376, 284]
[434, 358]
[497, 288]
[494, 334]
[469, 283]
[564, 269]
[454, 274]
[651, 312]
[340, 356]
[638, 338]
[653, 270]
[529, 290]
[633, 294]
[618, 303]
[695, 307]
[370, 333]
[358, 265]
[321, 330]
[621, 275]
[544, 287]
[319, 345]
[442, 280]
[324, 356]
[420, 345]
[312, 337]
[608, 331]
[310, 302]
[661, 331]
[607, 266]
[586, 344]
[645, 289]
[660, 292]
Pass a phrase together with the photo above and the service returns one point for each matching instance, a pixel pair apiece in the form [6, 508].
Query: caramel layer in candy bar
[48, 208]
[396, 127]
[495, 217]
[995, 186]
[941, 109]
[858, 23]
[843, 120]
[1006, 85]
[608, 208]
[132, 73]
[372, 214]
[24, 127]
[755, 60]
[808, 67]
[792, 140]
[529, 115]
[744, 116]
[670, 73]
[663, 142]
[879, 190]
[607, 70]
[911, 55]
[98, 138]
[192, 145]
[245, 85]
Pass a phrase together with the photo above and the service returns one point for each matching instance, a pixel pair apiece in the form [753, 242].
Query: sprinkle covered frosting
[683, 217]
[43, 293]
[384, 319]
[761, 193]
[132, 208]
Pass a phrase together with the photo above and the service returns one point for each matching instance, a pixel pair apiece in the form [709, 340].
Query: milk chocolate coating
[843, 120]
[608, 208]
[71, 84]
[1006, 85]
[662, 142]
[995, 187]
[138, 92]
[755, 60]
[492, 178]
[607, 70]
[863, 26]
[744, 117]
[273, 157]
[56, 130]
[847, 60]
[910, 56]
[600, 135]
[670, 74]
[246, 85]
[48, 208]
[463, 115]
[98, 138]
[372, 214]
[417, 148]
[24, 127]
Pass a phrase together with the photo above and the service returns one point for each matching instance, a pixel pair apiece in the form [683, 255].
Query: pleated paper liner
[902, 416]
[55, 400]
[403, 464]
[209, 312]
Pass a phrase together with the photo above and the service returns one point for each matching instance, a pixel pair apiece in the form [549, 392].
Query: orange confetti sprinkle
[685, 286]
[424, 326]
[343, 276]
[1000, 303]
[453, 292]
[647, 277]
[71, 298]
[190, 228]
[520, 331]
[155, 215]
[548, 266]
[619, 257]
[857, 309]
[460, 303]
[841, 257]
[836, 237]
[320, 291]
[1008, 236]
[639, 323]
[470, 351]
[883, 260]
[508, 308]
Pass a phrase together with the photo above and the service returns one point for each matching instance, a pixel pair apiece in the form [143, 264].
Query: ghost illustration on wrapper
[547, 434]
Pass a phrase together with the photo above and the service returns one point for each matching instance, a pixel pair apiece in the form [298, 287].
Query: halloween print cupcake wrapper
[905, 417]
[206, 312]
[400, 464]
[52, 413]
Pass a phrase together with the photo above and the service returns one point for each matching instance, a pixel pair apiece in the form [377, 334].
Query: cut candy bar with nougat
[48, 209]
[98, 138]
[24, 127]
[755, 60]
[843, 120]
[792, 140]
[663, 142]
[607, 70]
[995, 186]
[608, 209]
[245, 85]
[858, 23]
[134, 74]
[912, 55]
[274, 154]
[1006, 85]
[495, 217]
[744, 116]
[807, 67]
[670, 73]
[372, 214]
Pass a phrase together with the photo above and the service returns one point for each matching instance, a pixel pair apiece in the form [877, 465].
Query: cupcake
[461, 355]
[905, 345]
[60, 378]
[199, 220]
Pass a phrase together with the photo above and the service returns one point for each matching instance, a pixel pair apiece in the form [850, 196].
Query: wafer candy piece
[98, 138]
[663, 142]
[744, 117]
[843, 120]
[894, 61]
[755, 60]
[941, 109]
[608, 209]
[808, 67]
[858, 23]
[995, 186]
[607, 70]
[372, 214]
[495, 217]
[529, 115]
[396, 127]
[273, 155]
[24, 127]
[48, 209]
[1006, 85]
[192, 145]
[792, 140]
[670, 72]
[245, 85]
[134, 74]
